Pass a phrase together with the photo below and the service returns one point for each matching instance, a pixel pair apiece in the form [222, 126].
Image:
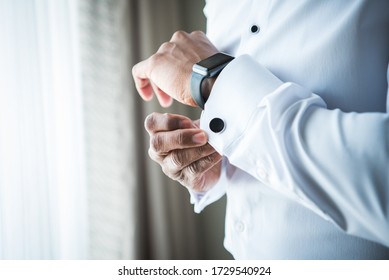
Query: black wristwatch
[207, 68]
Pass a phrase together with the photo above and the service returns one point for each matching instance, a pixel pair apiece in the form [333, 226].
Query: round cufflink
[217, 125]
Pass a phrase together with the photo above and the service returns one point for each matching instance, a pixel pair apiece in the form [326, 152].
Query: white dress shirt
[306, 128]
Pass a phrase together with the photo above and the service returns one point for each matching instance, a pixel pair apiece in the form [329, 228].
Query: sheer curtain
[42, 184]
[109, 121]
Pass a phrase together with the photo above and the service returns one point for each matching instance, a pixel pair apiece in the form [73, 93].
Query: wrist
[206, 87]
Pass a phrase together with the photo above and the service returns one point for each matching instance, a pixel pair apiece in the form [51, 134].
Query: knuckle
[165, 170]
[178, 35]
[167, 46]
[181, 177]
[156, 143]
[178, 159]
[172, 173]
[153, 155]
[197, 33]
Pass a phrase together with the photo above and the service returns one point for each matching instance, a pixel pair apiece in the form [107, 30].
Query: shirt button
[239, 226]
[254, 29]
[216, 125]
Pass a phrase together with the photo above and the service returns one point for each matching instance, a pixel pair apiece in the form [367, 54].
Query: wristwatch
[207, 68]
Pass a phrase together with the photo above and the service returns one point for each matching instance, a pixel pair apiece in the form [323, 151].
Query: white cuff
[203, 199]
[229, 95]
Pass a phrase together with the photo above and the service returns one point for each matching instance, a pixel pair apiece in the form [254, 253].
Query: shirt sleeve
[335, 163]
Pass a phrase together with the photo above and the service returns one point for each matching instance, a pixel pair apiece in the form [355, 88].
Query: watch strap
[207, 68]
[195, 88]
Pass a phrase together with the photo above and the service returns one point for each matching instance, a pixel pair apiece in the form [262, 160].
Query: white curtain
[43, 210]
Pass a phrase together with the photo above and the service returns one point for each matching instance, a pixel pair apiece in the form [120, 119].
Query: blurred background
[75, 178]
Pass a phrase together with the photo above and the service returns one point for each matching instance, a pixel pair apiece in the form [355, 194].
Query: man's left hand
[167, 73]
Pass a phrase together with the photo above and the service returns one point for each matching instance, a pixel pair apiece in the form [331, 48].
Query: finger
[142, 82]
[202, 165]
[167, 141]
[179, 159]
[145, 89]
[208, 179]
[157, 122]
[190, 175]
[163, 98]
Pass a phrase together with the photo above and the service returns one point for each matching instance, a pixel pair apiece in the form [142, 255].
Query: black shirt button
[254, 29]
[216, 125]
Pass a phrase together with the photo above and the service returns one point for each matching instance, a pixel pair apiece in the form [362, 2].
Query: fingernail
[199, 138]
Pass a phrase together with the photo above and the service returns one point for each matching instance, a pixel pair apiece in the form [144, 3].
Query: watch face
[212, 64]
[215, 60]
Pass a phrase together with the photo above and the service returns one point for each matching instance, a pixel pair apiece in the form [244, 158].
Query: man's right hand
[181, 148]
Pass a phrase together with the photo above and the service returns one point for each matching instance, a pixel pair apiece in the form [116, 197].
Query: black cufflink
[216, 125]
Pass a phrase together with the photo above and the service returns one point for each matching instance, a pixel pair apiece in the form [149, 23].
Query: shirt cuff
[242, 84]
[203, 199]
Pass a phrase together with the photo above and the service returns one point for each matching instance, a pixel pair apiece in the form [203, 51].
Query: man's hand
[181, 148]
[167, 73]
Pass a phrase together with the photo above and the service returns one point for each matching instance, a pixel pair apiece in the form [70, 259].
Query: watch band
[195, 88]
[206, 68]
